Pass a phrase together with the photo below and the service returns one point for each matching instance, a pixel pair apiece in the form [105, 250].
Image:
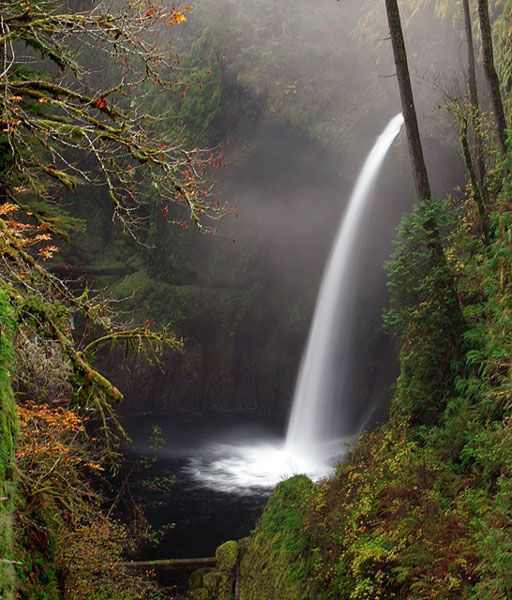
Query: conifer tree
[473, 92]
[492, 75]
[404, 83]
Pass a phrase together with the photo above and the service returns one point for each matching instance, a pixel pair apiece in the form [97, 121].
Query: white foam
[246, 469]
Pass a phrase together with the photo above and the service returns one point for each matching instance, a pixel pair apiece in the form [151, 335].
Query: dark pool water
[196, 518]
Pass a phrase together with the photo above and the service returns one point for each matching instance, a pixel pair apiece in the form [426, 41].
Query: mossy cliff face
[8, 432]
[27, 565]
[218, 583]
[274, 562]
[230, 351]
[276, 559]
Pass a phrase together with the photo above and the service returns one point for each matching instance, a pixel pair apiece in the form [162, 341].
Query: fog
[310, 86]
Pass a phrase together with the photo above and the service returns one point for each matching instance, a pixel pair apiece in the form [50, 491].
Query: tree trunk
[171, 564]
[473, 94]
[421, 180]
[404, 83]
[492, 75]
[474, 183]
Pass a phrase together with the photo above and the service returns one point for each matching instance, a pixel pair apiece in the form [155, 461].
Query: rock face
[218, 583]
[273, 563]
[234, 359]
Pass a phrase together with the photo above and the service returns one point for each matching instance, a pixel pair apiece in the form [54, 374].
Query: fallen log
[172, 564]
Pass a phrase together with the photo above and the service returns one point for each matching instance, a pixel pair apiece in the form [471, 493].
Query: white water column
[318, 395]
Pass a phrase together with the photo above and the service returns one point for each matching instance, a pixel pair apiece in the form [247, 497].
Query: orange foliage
[27, 233]
[174, 17]
[177, 16]
[50, 433]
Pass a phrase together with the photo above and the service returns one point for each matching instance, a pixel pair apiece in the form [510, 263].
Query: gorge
[246, 324]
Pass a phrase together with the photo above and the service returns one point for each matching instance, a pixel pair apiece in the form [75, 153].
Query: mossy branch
[50, 125]
[140, 338]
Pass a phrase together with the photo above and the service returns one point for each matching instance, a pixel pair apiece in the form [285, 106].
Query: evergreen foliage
[422, 317]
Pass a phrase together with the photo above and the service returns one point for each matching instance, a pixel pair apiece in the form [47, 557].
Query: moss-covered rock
[227, 557]
[8, 433]
[274, 562]
[218, 583]
[276, 559]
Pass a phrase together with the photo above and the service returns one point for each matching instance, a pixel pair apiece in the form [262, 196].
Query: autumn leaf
[101, 103]
[47, 252]
[7, 208]
[177, 16]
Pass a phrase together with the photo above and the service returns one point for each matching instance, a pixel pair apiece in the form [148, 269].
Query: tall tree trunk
[404, 83]
[473, 94]
[419, 167]
[491, 74]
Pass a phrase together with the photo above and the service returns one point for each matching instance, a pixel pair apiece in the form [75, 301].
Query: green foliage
[8, 434]
[423, 317]
[204, 94]
[504, 43]
[289, 56]
[421, 508]
[492, 523]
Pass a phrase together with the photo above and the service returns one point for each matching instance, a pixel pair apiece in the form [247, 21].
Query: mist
[305, 91]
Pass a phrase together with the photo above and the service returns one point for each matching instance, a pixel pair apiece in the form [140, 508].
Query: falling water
[312, 441]
[318, 393]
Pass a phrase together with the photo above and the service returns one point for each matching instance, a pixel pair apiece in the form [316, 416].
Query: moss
[32, 573]
[160, 300]
[276, 559]
[39, 575]
[227, 557]
[8, 433]
[218, 583]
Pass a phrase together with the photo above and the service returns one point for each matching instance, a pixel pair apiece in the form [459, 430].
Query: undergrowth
[421, 508]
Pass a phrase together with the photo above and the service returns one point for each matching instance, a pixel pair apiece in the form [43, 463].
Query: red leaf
[101, 103]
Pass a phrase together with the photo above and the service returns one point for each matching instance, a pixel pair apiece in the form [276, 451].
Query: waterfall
[318, 394]
[314, 433]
